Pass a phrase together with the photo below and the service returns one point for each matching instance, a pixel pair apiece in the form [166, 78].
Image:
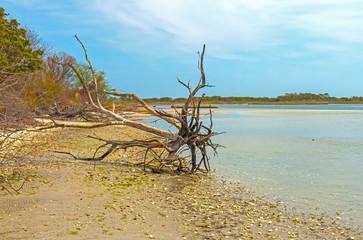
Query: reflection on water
[307, 157]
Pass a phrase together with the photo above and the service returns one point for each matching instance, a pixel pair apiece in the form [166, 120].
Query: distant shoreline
[287, 99]
[212, 104]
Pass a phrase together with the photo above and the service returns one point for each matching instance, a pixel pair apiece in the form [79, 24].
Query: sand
[68, 199]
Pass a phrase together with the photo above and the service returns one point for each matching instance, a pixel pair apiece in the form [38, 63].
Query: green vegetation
[86, 72]
[288, 98]
[36, 79]
[16, 53]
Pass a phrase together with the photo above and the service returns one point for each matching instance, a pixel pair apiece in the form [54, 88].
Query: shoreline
[75, 199]
[297, 207]
[205, 103]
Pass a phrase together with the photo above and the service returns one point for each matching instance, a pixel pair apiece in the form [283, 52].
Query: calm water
[308, 156]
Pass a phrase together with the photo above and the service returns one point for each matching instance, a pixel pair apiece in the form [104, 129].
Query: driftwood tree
[191, 137]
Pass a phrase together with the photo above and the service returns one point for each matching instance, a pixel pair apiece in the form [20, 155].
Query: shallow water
[308, 156]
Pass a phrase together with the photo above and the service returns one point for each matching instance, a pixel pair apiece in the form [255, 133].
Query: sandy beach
[67, 199]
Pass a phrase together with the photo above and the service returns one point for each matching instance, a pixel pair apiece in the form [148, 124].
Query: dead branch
[192, 134]
[11, 186]
[98, 107]
[116, 145]
[147, 107]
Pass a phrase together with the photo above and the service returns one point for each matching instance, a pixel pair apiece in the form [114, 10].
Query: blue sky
[253, 48]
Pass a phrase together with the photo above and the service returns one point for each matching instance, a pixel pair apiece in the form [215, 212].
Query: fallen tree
[190, 140]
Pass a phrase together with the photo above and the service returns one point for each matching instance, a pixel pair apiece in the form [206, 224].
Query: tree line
[34, 78]
[288, 98]
[34, 82]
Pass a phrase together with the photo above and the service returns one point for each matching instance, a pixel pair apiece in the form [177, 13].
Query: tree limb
[192, 133]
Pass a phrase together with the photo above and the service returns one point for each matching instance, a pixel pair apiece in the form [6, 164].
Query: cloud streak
[233, 27]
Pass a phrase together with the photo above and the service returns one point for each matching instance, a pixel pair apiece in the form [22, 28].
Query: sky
[259, 48]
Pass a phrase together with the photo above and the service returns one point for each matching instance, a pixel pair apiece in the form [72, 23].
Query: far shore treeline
[288, 98]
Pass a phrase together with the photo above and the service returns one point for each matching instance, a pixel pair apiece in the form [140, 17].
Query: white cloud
[240, 25]
[228, 27]
[250, 23]
[188, 23]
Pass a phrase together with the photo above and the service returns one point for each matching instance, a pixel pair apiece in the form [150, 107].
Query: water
[307, 156]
